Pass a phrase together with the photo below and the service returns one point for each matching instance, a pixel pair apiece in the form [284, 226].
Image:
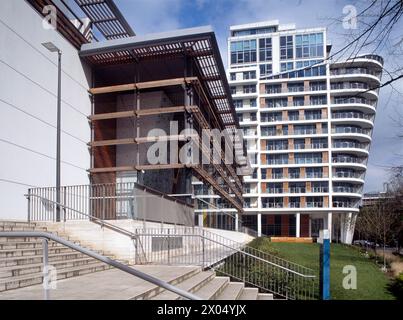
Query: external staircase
[21, 259]
[83, 277]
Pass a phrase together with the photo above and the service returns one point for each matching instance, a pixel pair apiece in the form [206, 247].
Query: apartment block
[307, 120]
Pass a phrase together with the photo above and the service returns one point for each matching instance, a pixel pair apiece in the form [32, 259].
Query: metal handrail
[101, 222]
[93, 219]
[109, 261]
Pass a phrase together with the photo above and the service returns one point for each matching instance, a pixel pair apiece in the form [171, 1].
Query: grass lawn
[371, 281]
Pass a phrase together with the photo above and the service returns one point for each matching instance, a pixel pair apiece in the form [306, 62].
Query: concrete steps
[82, 277]
[21, 259]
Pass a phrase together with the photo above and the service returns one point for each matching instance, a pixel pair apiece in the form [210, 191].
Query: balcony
[348, 174]
[346, 159]
[297, 190]
[351, 71]
[349, 144]
[344, 204]
[277, 176]
[274, 190]
[351, 130]
[350, 100]
[319, 190]
[315, 175]
[294, 205]
[352, 115]
[276, 147]
[346, 189]
[314, 204]
[277, 205]
[349, 85]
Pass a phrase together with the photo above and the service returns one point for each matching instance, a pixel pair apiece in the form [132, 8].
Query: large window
[309, 45]
[243, 51]
[265, 49]
[286, 48]
[286, 66]
[266, 69]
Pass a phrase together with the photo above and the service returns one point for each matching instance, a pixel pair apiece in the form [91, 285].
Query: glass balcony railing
[345, 189]
[348, 144]
[294, 205]
[347, 174]
[277, 205]
[351, 115]
[351, 130]
[314, 204]
[274, 190]
[277, 147]
[344, 204]
[348, 100]
[297, 190]
[348, 160]
[316, 175]
[319, 189]
[347, 71]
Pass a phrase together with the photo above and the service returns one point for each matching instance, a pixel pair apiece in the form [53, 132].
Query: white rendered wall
[28, 81]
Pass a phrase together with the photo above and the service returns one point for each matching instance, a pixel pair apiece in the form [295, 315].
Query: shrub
[396, 287]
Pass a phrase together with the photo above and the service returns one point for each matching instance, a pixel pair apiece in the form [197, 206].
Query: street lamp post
[52, 48]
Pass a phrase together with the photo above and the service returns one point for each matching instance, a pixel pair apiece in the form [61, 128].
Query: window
[240, 117]
[277, 103]
[266, 69]
[298, 101]
[272, 88]
[294, 173]
[238, 104]
[306, 63]
[243, 51]
[293, 115]
[249, 32]
[265, 49]
[249, 75]
[252, 103]
[318, 100]
[309, 45]
[233, 89]
[253, 116]
[249, 89]
[268, 131]
[286, 48]
[286, 66]
[303, 73]
[317, 86]
[305, 129]
[314, 172]
[233, 76]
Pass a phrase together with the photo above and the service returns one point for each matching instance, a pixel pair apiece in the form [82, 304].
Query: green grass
[371, 281]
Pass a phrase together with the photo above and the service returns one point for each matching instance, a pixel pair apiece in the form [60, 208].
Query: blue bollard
[325, 269]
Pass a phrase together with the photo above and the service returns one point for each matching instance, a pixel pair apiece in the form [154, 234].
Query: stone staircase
[82, 277]
[21, 259]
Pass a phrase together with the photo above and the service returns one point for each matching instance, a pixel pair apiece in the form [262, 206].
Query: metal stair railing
[196, 246]
[48, 236]
[102, 223]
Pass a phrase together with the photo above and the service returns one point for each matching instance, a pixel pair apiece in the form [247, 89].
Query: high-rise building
[308, 121]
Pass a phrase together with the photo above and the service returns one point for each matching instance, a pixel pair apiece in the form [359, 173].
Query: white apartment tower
[308, 123]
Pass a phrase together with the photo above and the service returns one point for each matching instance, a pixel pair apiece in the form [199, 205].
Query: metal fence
[196, 246]
[127, 200]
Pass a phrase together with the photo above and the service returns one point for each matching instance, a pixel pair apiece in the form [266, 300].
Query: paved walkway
[104, 285]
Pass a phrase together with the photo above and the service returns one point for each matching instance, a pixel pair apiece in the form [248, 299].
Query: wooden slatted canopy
[199, 43]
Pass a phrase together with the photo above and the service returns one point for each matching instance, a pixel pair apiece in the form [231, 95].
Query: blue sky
[149, 16]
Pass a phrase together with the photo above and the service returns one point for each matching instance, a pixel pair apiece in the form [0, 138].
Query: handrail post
[169, 248]
[136, 239]
[203, 249]
[45, 268]
[29, 205]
